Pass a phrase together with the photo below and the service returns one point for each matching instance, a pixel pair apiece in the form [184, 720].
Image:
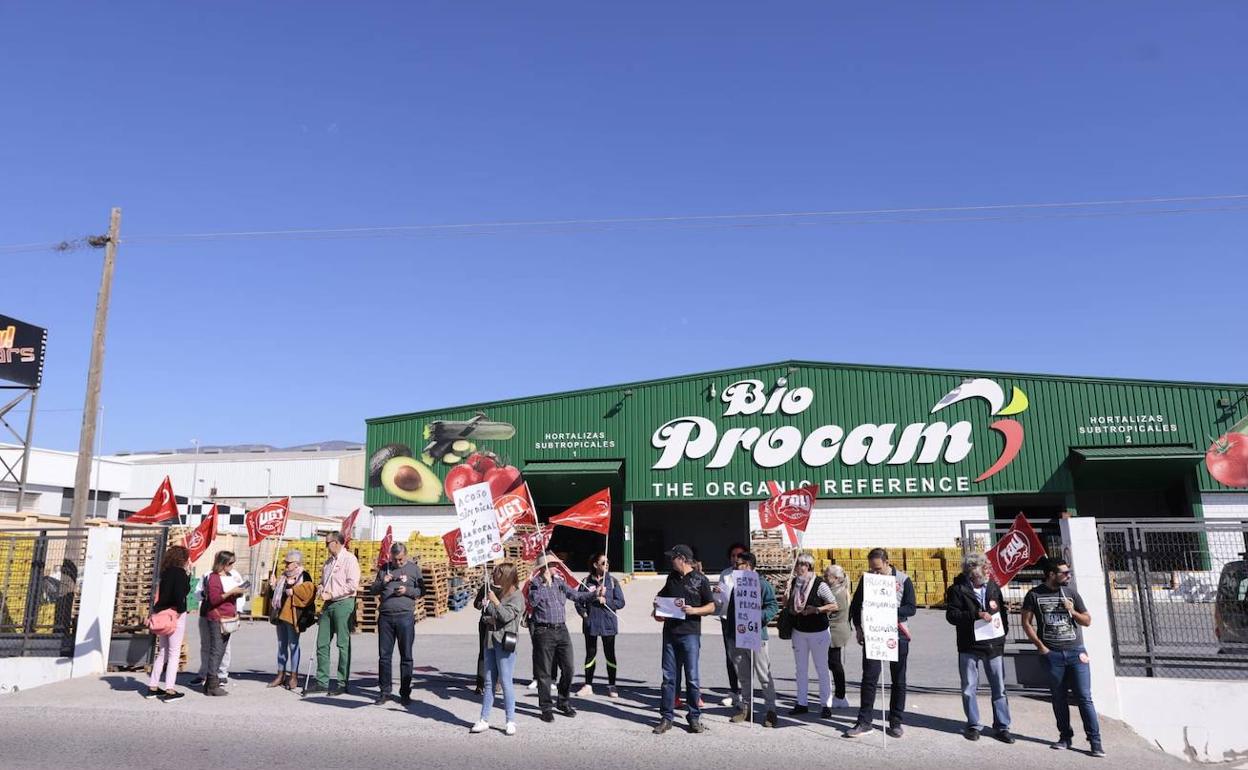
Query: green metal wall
[846, 396]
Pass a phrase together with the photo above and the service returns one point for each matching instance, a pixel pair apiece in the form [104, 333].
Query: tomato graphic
[1227, 459]
[483, 462]
[502, 480]
[461, 476]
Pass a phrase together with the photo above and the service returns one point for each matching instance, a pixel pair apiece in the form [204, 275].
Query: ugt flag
[164, 506]
[348, 528]
[198, 539]
[383, 555]
[593, 513]
[454, 548]
[268, 520]
[1018, 548]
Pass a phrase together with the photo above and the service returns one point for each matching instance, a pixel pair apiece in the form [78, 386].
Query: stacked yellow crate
[16, 554]
[426, 549]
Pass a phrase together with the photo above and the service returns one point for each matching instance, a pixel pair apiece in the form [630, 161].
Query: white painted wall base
[892, 523]
[1202, 720]
[24, 673]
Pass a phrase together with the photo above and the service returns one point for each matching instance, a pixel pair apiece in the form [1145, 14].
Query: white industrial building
[50, 483]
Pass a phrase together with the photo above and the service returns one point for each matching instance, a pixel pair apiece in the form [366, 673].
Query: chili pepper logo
[1011, 430]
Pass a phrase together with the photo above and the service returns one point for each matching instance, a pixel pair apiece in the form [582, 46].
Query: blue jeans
[501, 665]
[680, 653]
[391, 630]
[287, 648]
[968, 665]
[1065, 671]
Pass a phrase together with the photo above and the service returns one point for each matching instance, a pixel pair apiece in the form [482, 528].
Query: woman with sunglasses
[292, 615]
[599, 619]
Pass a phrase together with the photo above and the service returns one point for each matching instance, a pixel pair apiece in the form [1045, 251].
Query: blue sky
[199, 117]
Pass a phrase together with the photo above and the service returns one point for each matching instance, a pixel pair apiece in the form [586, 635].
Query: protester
[723, 590]
[839, 633]
[501, 612]
[295, 614]
[1054, 617]
[175, 584]
[548, 595]
[973, 600]
[281, 598]
[682, 636]
[222, 618]
[400, 585]
[340, 578]
[598, 620]
[877, 562]
[742, 659]
[808, 599]
[232, 579]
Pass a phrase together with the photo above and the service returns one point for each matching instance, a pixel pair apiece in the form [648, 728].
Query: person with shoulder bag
[285, 615]
[222, 619]
[599, 620]
[808, 601]
[168, 622]
[500, 612]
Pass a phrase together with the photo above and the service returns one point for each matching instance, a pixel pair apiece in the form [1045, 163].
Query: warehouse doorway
[706, 527]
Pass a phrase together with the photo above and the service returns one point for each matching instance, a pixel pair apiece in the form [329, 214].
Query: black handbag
[784, 622]
[509, 641]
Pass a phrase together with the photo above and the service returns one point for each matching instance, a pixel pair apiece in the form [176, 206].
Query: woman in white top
[808, 599]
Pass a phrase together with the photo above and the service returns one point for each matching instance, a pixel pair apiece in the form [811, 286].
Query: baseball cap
[683, 551]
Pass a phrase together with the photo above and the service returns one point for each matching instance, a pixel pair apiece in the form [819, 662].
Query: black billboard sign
[22, 347]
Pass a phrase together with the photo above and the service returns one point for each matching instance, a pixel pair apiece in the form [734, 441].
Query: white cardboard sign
[478, 524]
[747, 595]
[879, 616]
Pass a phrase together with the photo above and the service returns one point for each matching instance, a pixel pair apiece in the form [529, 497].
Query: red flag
[454, 548]
[561, 570]
[534, 543]
[348, 528]
[513, 508]
[593, 513]
[268, 520]
[791, 509]
[1018, 548]
[197, 540]
[164, 506]
[383, 555]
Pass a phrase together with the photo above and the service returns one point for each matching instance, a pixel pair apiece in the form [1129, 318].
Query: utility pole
[95, 374]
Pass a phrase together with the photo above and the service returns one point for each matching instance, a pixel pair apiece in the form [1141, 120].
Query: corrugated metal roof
[604, 466]
[1139, 453]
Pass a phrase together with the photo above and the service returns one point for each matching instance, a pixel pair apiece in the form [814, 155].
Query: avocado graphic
[409, 479]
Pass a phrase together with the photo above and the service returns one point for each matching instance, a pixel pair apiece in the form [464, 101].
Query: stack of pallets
[437, 589]
[367, 607]
[135, 581]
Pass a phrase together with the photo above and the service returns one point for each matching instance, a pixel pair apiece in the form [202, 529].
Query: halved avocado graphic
[409, 479]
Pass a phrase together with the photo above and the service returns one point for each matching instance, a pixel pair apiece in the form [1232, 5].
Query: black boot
[405, 690]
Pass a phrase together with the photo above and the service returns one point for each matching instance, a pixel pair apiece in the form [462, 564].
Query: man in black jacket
[974, 605]
[877, 562]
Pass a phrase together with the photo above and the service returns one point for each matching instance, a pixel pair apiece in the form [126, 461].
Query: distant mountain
[320, 446]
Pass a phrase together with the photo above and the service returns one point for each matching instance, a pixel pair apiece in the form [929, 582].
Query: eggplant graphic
[443, 435]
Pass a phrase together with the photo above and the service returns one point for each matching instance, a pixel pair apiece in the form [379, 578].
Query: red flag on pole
[348, 528]
[1018, 548]
[593, 513]
[559, 569]
[197, 540]
[164, 506]
[383, 555]
[513, 508]
[791, 508]
[268, 520]
[454, 548]
[534, 543]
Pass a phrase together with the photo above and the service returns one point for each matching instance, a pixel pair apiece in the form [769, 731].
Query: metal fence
[1177, 596]
[39, 581]
[979, 535]
[40, 585]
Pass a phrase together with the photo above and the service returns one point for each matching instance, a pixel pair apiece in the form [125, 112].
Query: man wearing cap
[548, 594]
[399, 584]
[682, 636]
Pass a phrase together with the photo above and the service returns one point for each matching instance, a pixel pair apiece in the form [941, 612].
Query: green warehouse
[902, 457]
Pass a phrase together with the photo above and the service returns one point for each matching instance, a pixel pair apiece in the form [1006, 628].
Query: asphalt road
[104, 723]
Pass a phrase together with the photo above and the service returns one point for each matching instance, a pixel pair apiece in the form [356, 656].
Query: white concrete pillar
[1082, 548]
[97, 599]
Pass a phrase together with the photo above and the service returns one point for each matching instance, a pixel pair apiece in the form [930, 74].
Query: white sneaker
[533, 685]
[585, 691]
[840, 703]
[510, 729]
[480, 727]
[729, 701]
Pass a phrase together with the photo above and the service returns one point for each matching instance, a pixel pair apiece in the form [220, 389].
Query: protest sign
[747, 596]
[879, 616]
[478, 524]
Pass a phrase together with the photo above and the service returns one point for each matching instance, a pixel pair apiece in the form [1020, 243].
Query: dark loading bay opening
[576, 546]
[708, 528]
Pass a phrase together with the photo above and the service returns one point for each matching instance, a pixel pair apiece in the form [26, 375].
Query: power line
[762, 219]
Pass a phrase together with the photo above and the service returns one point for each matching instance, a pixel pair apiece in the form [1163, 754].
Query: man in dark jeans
[877, 562]
[548, 595]
[400, 585]
[690, 594]
[1054, 617]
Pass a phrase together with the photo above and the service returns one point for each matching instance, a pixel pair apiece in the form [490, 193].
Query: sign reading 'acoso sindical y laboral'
[22, 348]
[879, 616]
[478, 524]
